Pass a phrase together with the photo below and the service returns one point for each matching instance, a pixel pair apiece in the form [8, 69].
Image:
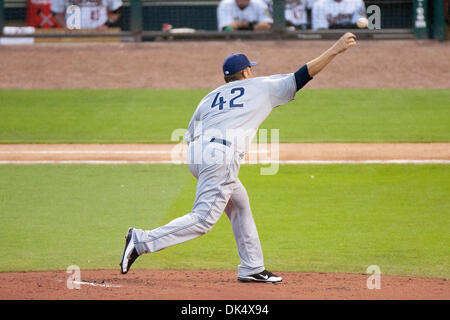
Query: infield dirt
[171, 153]
[215, 285]
[198, 65]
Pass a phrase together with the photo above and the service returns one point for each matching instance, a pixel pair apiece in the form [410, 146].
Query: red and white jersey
[94, 13]
[228, 11]
[326, 13]
[295, 12]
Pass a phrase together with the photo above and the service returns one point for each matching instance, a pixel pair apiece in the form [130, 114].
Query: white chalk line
[90, 152]
[106, 152]
[93, 284]
[400, 161]
[111, 162]
[87, 162]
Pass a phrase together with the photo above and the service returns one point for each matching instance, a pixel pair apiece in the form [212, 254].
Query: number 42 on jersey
[220, 101]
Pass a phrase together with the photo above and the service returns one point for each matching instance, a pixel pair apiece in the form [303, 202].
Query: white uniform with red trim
[326, 13]
[94, 13]
[295, 12]
[228, 11]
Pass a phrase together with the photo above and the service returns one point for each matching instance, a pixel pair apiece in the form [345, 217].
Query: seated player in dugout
[337, 14]
[95, 14]
[297, 13]
[243, 15]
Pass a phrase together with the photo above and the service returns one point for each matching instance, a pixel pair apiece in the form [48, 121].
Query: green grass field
[150, 116]
[342, 220]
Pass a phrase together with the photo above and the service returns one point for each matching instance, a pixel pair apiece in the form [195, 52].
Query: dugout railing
[143, 20]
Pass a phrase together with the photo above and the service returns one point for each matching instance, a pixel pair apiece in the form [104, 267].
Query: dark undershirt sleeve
[302, 77]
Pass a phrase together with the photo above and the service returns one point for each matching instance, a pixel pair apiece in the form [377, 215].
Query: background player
[334, 14]
[95, 14]
[219, 135]
[243, 15]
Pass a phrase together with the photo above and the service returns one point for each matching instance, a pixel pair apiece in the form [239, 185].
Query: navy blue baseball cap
[236, 62]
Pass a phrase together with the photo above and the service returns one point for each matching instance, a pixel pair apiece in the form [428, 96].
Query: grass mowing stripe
[55, 216]
[94, 116]
[331, 219]
[338, 218]
[211, 251]
[355, 115]
[150, 116]
[326, 218]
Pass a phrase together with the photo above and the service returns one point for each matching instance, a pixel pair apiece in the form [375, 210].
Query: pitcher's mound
[213, 285]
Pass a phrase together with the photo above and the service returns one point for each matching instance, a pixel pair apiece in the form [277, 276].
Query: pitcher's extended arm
[313, 67]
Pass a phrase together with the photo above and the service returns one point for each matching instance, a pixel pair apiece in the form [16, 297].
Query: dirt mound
[197, 65]
[214, 285]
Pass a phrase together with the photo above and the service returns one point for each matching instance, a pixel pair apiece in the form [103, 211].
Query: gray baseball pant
[218, 189]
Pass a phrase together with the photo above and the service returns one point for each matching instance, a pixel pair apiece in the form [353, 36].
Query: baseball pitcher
[219, 135]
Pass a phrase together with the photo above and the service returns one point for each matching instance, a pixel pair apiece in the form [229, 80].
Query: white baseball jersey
[295, 12]
[242, 104]
[326, 13]
[310, 3]
[235, 110]
[94, 13]
[228, 11]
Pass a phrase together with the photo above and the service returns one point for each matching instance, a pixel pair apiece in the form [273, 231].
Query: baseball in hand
[362, 23]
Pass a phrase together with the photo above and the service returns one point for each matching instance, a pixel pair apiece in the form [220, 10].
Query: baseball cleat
[264, 276]
[129, 253]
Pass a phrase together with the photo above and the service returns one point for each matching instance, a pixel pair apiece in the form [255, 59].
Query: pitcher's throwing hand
[345, 42]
